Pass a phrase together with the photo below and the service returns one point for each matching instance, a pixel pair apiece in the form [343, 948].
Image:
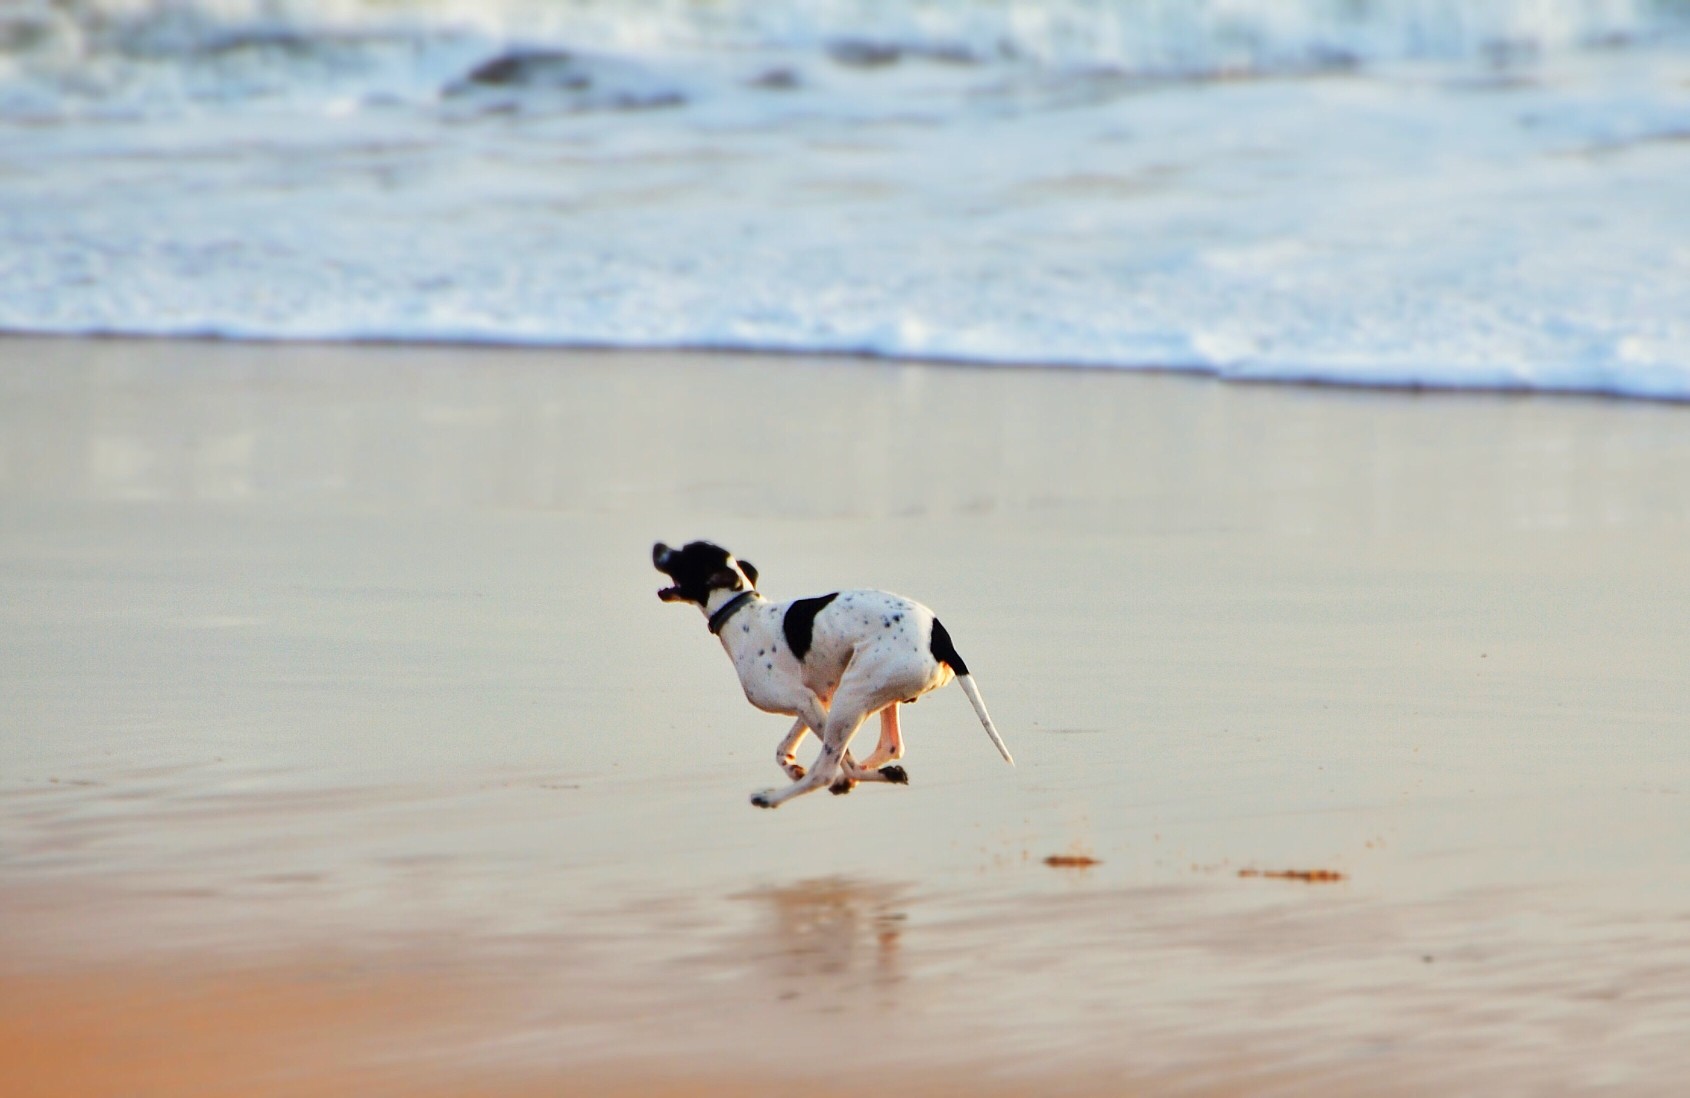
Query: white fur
[870, 651]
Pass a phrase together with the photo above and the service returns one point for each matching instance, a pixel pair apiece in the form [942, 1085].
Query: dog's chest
[763, 660]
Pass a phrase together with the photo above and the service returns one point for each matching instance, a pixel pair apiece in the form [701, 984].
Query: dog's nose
[660, 554]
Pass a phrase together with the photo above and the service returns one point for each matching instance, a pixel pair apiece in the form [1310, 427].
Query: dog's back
[887, 635]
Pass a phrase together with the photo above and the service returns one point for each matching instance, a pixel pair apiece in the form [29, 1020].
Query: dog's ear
[750, 571]
[727, 578]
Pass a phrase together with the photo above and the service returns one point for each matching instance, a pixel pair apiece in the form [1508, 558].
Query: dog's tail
[945, 652]
[979, 703]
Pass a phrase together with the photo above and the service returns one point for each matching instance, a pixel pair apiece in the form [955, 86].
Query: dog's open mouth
[671, 594]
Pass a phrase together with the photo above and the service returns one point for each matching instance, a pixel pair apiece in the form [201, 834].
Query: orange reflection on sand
[165, 1031]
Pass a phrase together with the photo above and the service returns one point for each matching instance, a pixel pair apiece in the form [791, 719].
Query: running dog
[829, 661]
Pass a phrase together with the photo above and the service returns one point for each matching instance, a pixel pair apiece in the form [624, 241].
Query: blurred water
[1411, 193]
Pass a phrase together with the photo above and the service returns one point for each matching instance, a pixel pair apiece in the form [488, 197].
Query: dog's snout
[660, 554]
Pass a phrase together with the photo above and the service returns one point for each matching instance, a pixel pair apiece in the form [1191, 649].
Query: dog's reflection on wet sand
[830, 942]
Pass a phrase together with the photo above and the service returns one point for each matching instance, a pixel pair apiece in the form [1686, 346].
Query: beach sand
[347, 748]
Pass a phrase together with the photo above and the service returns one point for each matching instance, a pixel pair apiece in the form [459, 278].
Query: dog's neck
[723, 605]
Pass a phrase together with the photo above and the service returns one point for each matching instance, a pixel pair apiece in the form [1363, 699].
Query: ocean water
[1482, 194]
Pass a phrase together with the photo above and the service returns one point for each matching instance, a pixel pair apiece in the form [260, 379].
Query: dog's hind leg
[874, 769]
[843, 720]
[784, 757]
[851, 773]
[891, 745]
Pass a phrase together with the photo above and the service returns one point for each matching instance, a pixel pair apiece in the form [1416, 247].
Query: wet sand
[346, 746]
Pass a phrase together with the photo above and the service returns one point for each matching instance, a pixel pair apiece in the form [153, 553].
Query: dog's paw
[841, 786]
[897, 775]
[765, 799]
[794, 771]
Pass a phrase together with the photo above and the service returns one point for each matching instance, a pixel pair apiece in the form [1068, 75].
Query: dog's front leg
[784, 757]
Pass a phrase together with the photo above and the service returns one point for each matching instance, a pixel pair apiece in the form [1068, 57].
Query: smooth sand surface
[347, 749]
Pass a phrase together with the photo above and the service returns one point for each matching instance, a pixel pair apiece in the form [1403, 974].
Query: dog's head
[699, 568]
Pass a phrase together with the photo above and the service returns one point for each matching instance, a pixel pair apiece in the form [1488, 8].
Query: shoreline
[1195, 371]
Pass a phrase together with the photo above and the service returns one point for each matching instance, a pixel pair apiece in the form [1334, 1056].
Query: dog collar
[719, 619]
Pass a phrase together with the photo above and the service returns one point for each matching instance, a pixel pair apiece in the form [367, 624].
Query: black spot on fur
[944, 651]
[800, 622]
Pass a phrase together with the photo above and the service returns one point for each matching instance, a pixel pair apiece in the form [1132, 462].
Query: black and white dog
[831, 661]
